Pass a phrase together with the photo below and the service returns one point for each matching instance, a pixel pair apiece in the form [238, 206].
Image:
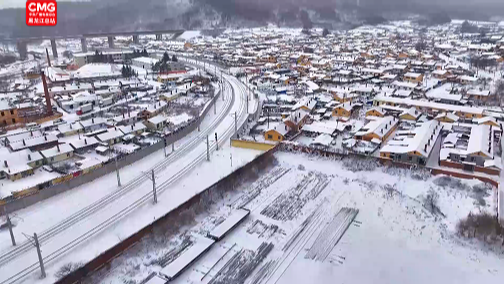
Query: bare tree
[430, 202]
[499, 93]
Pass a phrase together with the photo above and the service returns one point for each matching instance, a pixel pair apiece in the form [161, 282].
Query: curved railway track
[110, 198]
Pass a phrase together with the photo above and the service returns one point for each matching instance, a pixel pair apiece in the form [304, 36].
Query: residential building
[412, 142]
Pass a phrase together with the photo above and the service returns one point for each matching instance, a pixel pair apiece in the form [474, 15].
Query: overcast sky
[21, 3]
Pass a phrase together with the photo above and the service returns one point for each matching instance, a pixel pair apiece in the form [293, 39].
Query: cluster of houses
[393, 95]
[125, 115]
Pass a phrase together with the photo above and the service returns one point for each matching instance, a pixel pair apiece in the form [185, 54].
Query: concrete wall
[48, 190]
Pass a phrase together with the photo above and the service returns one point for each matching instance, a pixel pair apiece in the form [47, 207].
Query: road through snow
[82, 227]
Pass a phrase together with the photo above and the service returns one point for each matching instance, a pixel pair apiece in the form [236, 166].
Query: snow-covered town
[257, 155]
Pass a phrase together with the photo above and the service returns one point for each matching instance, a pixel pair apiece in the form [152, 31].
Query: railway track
[99, 205]
[102, 203]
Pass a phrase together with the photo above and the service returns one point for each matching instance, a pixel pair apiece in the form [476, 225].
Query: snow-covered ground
[98, 69]
[183, 178]
[393, 239]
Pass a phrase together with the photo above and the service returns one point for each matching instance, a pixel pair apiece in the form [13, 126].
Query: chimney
[48, 59]
[57, 146]
[70, 126]
[45, 138]
[92, 120]
[29, 157]
[24, 143]
[85, 141]
[132, 127]
[46, 92]
[5, 164]
[31, 133]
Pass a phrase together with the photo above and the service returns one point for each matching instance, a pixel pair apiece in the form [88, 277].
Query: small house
[57, 154]
[156, 123]
[276, 133]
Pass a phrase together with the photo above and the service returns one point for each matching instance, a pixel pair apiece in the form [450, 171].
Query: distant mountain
[126, 15]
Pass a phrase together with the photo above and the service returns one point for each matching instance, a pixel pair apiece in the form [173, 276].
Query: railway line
[101, 203]
[231, 87]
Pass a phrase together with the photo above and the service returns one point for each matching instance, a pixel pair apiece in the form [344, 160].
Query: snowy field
[293, 204]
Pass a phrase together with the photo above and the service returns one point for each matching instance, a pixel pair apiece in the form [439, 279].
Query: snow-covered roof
[109, 135]
[126, 129]
[17, 162]
[412, 75]
[33, 142]
[412, 112]
[281, 128]
[406, 85]
[448, 115]
[415, 140]
[480, 140]
[307, 102]
[56, 151]
[157, 119]
[475, 92]
[379, 126]
[485, 119]
[144, 60]
[83, 143]
[325, 127]
[346, 106]
[427, 104]
[297, 116]
[378, 110]
[93, 121]
[468, 78]
[69, 127]
[322, 139]
[443, 93]
[24, 135]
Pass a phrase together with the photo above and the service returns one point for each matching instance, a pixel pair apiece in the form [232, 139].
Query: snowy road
[66, 232]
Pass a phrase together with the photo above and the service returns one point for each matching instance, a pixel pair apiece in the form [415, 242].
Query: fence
[56, 186]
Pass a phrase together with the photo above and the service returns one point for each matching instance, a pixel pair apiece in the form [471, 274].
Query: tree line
[162, 65]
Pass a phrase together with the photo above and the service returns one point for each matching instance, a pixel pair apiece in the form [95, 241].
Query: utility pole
[154, 187]
[164, 148]
[9, 224]
[216, 141]
[236, 125]
[39, 252]
[231, 158]
[173, 147]
[267, 111]
[207, 149]
[117, 173]
[215, 106]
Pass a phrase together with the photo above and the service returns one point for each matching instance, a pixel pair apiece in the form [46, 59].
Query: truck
[107, 102]
[85, 109]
